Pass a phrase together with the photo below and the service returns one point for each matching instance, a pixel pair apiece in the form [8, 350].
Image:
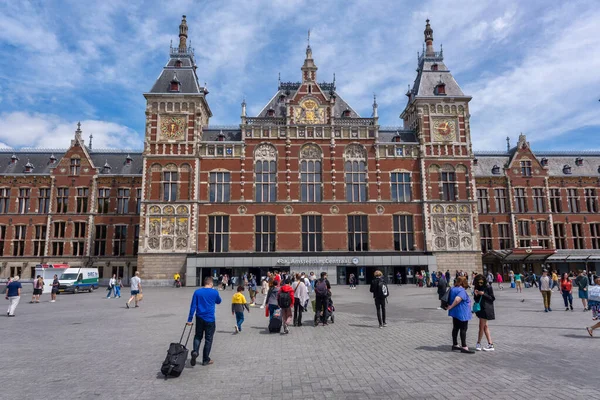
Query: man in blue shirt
[13, 295]
[203, 305]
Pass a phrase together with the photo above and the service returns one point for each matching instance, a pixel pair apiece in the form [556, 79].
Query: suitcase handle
[189, 333]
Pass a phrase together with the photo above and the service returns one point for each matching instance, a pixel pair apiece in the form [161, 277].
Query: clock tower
[176, 111]
[438, 111]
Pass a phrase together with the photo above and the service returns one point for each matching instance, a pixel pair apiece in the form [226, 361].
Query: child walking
[238, 303]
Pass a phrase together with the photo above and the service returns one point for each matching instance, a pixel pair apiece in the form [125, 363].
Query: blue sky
[531, 66]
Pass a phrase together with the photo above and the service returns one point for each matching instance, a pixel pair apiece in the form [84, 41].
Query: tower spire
[183, 30]
[78, 131]
[91, 137]
[309, 69]
[375, 106]
[428, 32]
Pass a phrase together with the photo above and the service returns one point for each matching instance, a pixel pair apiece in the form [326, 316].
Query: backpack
[383, 289]
[285, 300]
[321, 287]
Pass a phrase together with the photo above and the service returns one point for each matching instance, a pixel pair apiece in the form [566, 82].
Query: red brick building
[308, 184]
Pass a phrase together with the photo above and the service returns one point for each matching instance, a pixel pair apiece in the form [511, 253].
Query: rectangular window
[79, 248]
[220, 184]
[504, 236]
[500, 195]
[170, 186]
[404, 233]
[120, 240]
[539, 200]
[401, 187]
[448, 186]
[23, 201]
[591, 200]
[103, 200]
[218, 233]
[578, 239]
[44, 201]
[266, 181]
[19, 241]
[485, 234]
[2, 238]
[82, 200]
[58, 248]
[358, 233]
[483, 202]
[75, 165]
[122, 201]
[356, 181]
[59, 229]
[310, 181]
[560, 236]
[541, 228]
[79, 230]
[524, 234]
[265, 233]
[138, 198]
[136, 239]
[62, 200]
[573, 200]
[39, 243]
[4, 200]
[100, 240]
[312, 233]
[555, 201]
[595, 231]
[520, 200]
[526, 168]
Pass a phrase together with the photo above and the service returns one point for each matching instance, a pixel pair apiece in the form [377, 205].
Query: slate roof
[556, 162]
[186, 75]
[427, 80]
[40, 159]
[388, 134]
[289, 90]
[211, 134]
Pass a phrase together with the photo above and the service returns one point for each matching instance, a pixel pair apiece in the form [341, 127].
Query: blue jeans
[272, 308]
[206, 329]
[117, 291]
[109, 292]
[568, 298]
[239, 319]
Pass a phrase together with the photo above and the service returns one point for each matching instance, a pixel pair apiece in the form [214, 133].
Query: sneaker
[208, 362]
[490, 347]
[384, 324]
[193, 360]
[127, 305]
[52, 301]
[380, 326]
[439, 308]
[478, 347]
[567, 309]
[236, 329]
[549, 309]
[590, 331]
[263, 306]
[571, 308]
[545, 310]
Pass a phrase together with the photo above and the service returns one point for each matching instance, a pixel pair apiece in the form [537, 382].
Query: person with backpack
[285, 301]
[380, 293]
[238, 303]
[322, 288]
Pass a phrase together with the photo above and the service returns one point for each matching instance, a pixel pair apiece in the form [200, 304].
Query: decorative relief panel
[309, 113]
[452, 227]
[168, 228]
[444, 129]
[172, 127]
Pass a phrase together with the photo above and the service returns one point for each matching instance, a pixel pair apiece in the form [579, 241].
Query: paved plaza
[84, 346]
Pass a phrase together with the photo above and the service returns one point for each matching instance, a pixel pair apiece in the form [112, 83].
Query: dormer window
[544, 162]
[52, 159]
[281, 98]
[221, 137]
[396, 139]
[434, 67]
[28, 167]
[178, 64]
[475, 161]
[496, 170]
[440, 89]
[128, 159]
[14, 159]
[567, 169]
[270, 112]
[579, 161]
[107, 168]
[346, 113]
[175, 84]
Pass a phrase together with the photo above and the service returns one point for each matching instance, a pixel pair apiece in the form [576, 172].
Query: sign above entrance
[320, 261]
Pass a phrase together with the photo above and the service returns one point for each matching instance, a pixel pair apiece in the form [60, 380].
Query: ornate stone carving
[155, 210]
[452, 225]
[168, 210]
[379, 209]
[154, 227]
[265, 151]
[167, 243]
[172, 128]
[466, 242]
[311, 151]
[453, 241]
[334, 209]
[439, 226]
[182, 227]
[181, 243]
[464, 225]
[465, 209]
[153, 243]
[450, 209]
[242, 210]
[288, 209]
[182, 210]
[355, 152]
[440, 242]
[444, 129]
[168, 225]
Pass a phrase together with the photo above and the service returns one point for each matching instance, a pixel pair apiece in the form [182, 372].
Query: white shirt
[135, 283]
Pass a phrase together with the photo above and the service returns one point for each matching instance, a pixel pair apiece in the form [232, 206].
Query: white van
[74, 280]
[47, 272]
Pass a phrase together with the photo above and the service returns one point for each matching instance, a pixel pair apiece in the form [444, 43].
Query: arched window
[355, 168]
[310, 173]
[265, 171]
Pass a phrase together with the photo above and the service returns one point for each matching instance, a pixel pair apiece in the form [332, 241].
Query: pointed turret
[375, 106]
[309, 69]
[428, 32]
[183, 30]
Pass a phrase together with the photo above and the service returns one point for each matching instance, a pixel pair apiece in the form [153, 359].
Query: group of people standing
[14, 287]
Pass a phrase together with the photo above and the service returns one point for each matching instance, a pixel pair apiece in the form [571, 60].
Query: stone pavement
[83, 346]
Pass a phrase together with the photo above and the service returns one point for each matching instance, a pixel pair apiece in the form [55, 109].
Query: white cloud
[24, 129]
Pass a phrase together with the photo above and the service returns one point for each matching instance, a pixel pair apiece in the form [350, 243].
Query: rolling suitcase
[176, 356]
[275, 322]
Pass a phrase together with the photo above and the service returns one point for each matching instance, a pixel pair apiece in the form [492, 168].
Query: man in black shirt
[322, 292]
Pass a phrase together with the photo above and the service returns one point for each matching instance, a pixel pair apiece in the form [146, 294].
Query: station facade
[306, 185]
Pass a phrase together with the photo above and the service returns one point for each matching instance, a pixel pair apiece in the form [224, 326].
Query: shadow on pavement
[584, 335]
[364, 326]
[446, 348]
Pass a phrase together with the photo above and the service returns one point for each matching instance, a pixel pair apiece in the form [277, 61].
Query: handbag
[477, 306]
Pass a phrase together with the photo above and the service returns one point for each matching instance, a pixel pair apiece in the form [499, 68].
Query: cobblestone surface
[84, 346]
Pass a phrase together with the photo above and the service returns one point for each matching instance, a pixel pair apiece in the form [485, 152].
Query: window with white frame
[4, 200]
[539, 200]
[573, 200]
[170, 185]
[39, 242]
[448, 180]
[311, 174]
[504, 236]
[555, 200]
[312, 233]
[265, 173]
[355, 171]
[591, 200]
[500, 199]
[404, 233]
[24, 200]
[560, 236]
[520, 200]
[19, 240]
[483, 201]
[485, 234]
[265, 233]
[103, 200]
[82, 200]
[220, 184]
[358, 233]
[401, 187]
[578, 237]
[122, 201]
[218, 233]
